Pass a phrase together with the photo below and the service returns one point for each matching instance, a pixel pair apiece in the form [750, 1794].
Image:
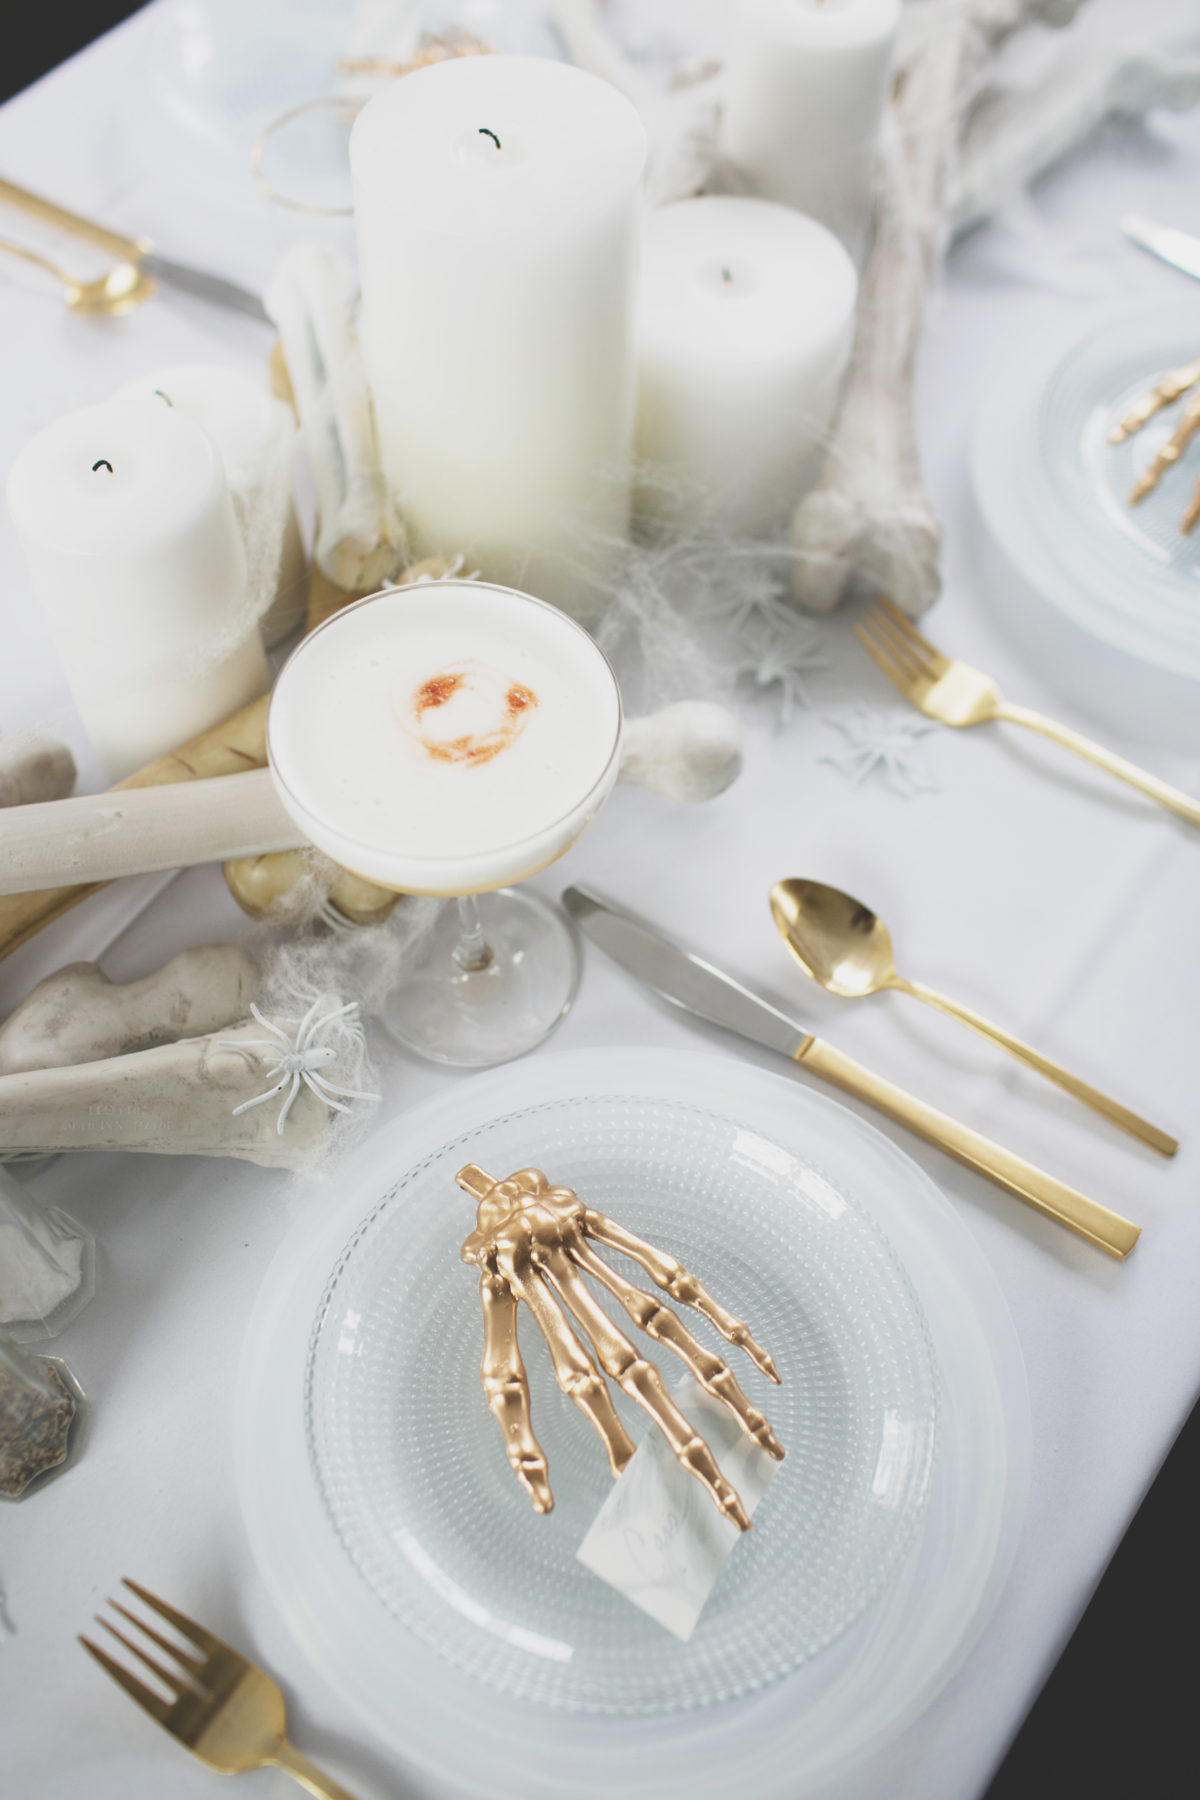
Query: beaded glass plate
[412, 1471]
[1105, 596]
[842, 1220]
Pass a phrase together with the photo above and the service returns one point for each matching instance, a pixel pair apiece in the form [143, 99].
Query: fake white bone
[360, 543]
[682, 125]
[1012, 136]
[688, 752]
[868, 518]
[78, 1015]
[176, 1100]
[34, 768]
[137, 831]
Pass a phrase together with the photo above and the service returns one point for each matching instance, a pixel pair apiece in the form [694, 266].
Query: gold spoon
[125, 286]
[847, 950]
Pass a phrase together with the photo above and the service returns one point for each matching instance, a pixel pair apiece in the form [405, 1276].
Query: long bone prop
[868, 518]
[177, 1099]
[78, 1015]
[686, 752]
[360, 543]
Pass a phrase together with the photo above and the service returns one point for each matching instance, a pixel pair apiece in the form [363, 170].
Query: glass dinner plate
[432, 1592]
[1105, 596]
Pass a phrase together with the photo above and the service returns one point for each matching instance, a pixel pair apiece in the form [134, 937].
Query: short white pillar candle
[808, 81]
[497, 210]
[744, 330]
[126, 522]
[256, 436]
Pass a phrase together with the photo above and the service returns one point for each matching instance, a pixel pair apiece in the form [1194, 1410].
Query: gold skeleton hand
[530, 1244]
[1171, 388]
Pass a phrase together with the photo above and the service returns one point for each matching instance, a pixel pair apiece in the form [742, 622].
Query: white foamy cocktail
[446, 738]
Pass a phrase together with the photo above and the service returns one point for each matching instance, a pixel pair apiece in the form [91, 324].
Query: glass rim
[495, 587]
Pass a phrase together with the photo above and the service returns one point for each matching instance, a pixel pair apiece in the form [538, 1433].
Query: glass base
[474, 1017]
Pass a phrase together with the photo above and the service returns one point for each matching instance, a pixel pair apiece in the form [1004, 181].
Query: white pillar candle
[125, 518]
[807, 84]
[744, 329]
[497, 210]
[256, 436]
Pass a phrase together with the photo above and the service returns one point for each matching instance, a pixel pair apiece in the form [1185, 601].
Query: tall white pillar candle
[807, 85]
[129, 532]
[256, 436]
[744, 328]
[497, 210]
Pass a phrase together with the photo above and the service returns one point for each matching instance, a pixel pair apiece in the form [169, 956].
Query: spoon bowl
[846, 949]
[123, 287]
[837, 940]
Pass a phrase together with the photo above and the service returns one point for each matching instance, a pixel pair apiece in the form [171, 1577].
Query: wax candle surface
[129, 532]
[744, 327]
[448, 737]
[256, 435]
[496, 205]
[808, 83]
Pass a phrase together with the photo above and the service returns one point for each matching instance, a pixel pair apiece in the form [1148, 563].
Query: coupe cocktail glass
[452, 738]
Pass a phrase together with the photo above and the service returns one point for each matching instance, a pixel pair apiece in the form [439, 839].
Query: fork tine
[150, 1702]
[203, 1640]
[193, 1664]
[168, 1677]
[881, 658]
[904, 653]
[905, 625]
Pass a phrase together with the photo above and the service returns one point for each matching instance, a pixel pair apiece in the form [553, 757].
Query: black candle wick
[486, 131]
[102, 464]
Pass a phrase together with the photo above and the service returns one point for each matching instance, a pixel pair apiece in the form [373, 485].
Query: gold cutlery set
[132, 278]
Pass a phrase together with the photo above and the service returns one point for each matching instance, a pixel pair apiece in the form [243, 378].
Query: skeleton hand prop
[1172, 387]
[531, 1243]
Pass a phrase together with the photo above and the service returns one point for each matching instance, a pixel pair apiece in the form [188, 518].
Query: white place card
[658, 1539]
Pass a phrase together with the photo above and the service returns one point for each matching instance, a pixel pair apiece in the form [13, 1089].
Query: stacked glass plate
[1104, 597]
[433, 1593]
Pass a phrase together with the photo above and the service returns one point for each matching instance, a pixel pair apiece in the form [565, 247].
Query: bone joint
[868, 520]
[360, 543]
[78, 1015]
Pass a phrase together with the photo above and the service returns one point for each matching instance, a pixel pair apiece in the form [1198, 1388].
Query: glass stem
[473, 952]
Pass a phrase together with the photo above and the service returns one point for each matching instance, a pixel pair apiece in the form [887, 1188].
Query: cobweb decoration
[878, 742]
[313, 972]
[702, 617]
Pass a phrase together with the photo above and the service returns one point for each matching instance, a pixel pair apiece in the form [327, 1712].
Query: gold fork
[226, 1710]
[953, 693]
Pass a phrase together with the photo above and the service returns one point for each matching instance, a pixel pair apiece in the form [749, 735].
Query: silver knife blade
[205, 286]
[1179, 248]
[686, 980]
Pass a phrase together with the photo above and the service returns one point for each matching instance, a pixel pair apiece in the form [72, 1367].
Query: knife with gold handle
[695, 985]
[138, 252]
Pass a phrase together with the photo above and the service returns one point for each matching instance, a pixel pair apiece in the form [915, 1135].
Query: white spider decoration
[301, 1059]
[874, 741]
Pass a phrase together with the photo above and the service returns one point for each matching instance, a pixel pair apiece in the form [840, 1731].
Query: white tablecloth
[1027, 885]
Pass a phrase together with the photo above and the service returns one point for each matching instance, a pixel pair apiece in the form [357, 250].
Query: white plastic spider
[302, 1057]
